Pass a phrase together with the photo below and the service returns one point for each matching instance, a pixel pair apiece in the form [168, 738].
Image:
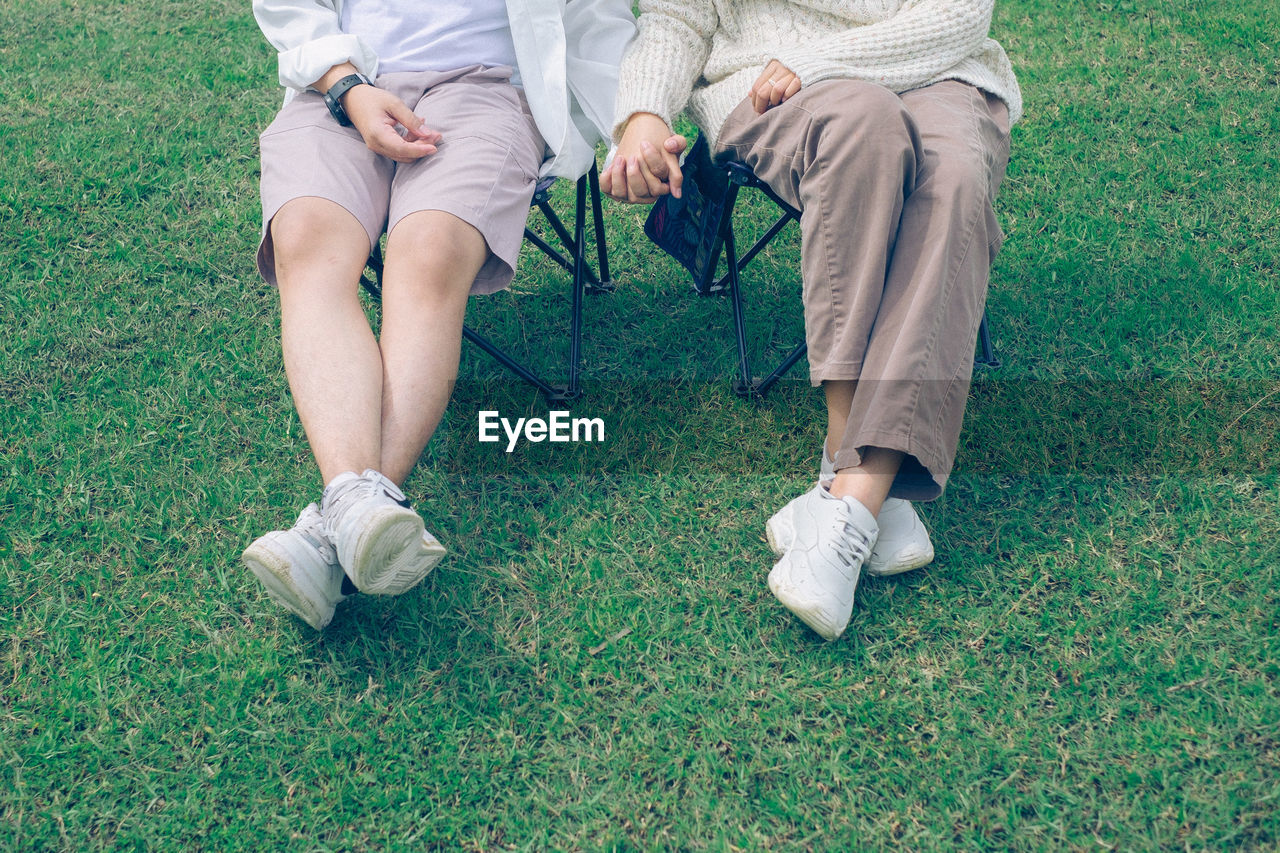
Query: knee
[431, 261]
[309, 231]
[866, 126]
[433, 246]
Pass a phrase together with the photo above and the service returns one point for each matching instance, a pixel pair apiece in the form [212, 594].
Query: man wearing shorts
[431, 123]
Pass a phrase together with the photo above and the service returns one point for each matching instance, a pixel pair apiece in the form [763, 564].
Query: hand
[647, 162]
[377, 113]
[774, 85]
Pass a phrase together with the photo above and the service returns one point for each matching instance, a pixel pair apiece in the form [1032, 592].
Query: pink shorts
[483, 173]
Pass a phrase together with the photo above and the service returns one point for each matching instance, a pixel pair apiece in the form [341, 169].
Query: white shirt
[567, 52]
[409, 35]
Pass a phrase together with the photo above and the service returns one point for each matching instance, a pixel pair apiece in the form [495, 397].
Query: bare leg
[839, 394]
[432, 259]
[870, 482]
[330, 355]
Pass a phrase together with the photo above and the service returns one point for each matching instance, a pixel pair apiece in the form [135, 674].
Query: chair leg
[762, 387]
[545, 247]
[603, 284]
[373, 284]
[566, 240]
[578, 266]
[498, 355]
[759, 245]
[572, 392]
[988, 357]
[745, 386]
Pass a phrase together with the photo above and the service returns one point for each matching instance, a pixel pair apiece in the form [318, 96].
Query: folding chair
[698, 227]
[583, 279]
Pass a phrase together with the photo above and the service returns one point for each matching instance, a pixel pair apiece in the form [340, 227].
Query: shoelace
[850, 545]
[336, 497]
[344, 494]
[317, 534]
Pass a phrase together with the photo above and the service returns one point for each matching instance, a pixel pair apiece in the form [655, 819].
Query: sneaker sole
[908, 559]
[392, 554]
[808, 612]
[272, 569]
[778, 539]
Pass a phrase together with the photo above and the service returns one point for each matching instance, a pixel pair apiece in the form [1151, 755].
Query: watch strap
[333, 97]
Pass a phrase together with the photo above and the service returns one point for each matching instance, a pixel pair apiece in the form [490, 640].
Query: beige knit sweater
[706, 54]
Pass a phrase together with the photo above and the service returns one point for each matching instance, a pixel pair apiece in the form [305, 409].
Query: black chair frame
[747, 385]
[584, 279]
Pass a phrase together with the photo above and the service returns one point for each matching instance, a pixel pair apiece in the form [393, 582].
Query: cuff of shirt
[307, 63]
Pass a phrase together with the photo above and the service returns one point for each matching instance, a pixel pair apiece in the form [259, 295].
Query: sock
[827, 472]
[333, 492]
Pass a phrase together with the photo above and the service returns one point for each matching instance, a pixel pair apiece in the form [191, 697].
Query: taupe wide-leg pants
[897, 237]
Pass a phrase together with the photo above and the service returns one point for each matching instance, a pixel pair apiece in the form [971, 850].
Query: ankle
[337, 480]
[855, 484]
[335, 488]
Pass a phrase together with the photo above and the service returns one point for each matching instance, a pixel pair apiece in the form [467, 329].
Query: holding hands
[647, 162]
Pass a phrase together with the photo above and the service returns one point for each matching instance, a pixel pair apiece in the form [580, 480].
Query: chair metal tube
[508, 362]
[739, 319]
[565, 240]
[577, 266]
[762, 387]
[579, 286]
[988, 357]
[761, 243]
[605, 281]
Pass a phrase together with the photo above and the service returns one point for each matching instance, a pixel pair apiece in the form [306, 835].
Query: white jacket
[568, 52]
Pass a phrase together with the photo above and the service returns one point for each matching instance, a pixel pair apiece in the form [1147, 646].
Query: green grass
[1092, 661]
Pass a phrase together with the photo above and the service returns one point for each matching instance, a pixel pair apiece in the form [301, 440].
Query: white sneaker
[818, 573]
[380, 540]
[299, 568]
[903, 545]
[904, 542]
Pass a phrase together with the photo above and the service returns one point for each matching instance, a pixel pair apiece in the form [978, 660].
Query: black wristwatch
[333, 97]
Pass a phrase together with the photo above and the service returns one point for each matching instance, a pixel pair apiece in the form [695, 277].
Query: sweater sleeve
[665, 59]
[923, 40]
[308, 34]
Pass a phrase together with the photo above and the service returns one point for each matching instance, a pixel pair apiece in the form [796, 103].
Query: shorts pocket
[307, 111]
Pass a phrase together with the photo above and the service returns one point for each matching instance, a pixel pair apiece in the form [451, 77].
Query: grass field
[1092, 662]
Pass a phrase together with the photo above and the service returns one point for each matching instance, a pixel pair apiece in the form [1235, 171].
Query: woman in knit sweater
[887, 123]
